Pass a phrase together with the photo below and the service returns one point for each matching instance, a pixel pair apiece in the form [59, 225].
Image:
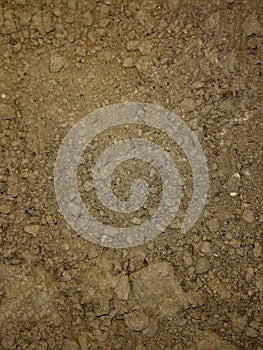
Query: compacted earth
[63, 59]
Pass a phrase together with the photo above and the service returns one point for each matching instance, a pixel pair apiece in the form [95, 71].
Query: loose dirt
[61, 60]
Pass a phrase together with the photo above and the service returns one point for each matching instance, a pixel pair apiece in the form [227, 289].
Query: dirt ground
[63, 59]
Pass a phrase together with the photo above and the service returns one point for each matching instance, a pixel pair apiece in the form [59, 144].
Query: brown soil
[61, 60]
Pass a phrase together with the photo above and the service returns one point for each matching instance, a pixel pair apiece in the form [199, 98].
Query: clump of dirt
[61, 60]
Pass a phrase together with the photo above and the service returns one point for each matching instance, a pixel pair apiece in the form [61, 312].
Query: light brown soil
[61, 60]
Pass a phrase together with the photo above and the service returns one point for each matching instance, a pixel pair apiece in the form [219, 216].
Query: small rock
[232, 184]
[149, 5]
[251, 332]
[202, 266]
[72, 4]
[122, 288]
[188, 105]
[6, 111]
[57, 12]
[206, 248]
[48, 24]
[173, 4]
[136, 321]
[193, 124]
[136, 221]
[152, 329]
[248, 216]
[145, 48]
[188, 261]
[32, 230]
[143, 64]
[56, 63]
[251, 25]
[249, 273]
[252, 43]
[227, 105]
[37, 22]
[128, 62]
[104, 22]
[198, 84]
[257, 251]
[5, 208]
[88, 19]
[155, 281]
[132, 45]
[25, 18]
[213, 225]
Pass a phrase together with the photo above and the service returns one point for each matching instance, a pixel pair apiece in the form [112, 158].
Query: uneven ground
[61, 60]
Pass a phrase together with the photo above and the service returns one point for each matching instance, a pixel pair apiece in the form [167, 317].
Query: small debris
[32, 230]
[202, 266]
[188, 105]
[122, 288]
[57, 63]
[136, 321]
[213, 225]
[251, 25]
[128, 62]
[248, 216]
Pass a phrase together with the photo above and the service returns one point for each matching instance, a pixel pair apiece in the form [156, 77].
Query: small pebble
[136, 321]
[248, 216]
[202, 266]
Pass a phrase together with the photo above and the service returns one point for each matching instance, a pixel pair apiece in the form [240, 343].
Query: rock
[252, 43]
[8, 341]
[188, 261]
[151, 330]
[32, 230]
[149, 5]
[104, 22]
[25, 18]
[206, 248]
[251, 332]
[202, 266]
[56, 63]
[122, 288]
[128, 62]
[251, 25]
[136, 321]
[88, 19]
[257, 251]
[72, 4]
[6, 111]
[198, 84]
[145, 48]
[132, 45]
[173, 4]
[143, 64]
[48, 24]
[227, 106]
[155, 287]
[37, 23]
[232, 185]
[93, 293]
[213, 225]
[5, 208]
[9, 27]
[248, 216]
[188, 105]
[219, 289]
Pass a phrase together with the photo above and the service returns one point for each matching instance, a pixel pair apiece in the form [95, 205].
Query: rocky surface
[61, 60]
